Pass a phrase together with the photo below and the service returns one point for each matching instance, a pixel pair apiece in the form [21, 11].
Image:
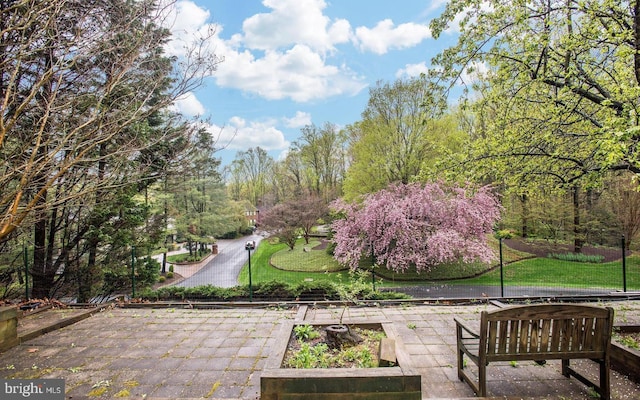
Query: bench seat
[538, 332]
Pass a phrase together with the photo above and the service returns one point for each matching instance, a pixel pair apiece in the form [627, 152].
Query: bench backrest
[546, 331]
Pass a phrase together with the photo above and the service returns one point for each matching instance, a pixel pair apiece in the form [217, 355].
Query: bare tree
[84, 89]
[73, 77]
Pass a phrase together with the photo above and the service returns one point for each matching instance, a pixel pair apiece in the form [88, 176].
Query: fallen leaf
[32, 350]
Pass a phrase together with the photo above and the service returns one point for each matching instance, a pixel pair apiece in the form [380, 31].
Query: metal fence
[523, 269]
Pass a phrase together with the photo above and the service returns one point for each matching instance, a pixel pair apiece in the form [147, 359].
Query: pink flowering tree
[417, 225]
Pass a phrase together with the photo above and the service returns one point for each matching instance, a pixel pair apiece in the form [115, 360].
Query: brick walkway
[220, 353]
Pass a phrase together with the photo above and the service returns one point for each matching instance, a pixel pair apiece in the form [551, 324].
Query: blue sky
[290, 63]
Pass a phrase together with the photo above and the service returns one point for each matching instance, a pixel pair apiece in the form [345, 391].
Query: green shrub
[306, 332]
[275, 289]
[161, 279]
[170, 274]
[578, 257]
[316, 289]
[505, 234]
[331, 248]
[308, 290]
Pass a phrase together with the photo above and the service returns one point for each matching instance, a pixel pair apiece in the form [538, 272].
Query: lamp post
[250, 245]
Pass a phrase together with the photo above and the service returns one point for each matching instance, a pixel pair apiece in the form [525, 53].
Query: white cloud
[187, 22]
[411, 70]
[240, 134]
[474, 72]
[294, 22]
[298, 121]
[385, 36]
[189, 105]
[293, 40]
[298, 73]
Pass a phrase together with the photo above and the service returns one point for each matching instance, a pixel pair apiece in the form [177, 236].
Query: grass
[559, 273]
[519, 270]
[263, 271]
[304, 259]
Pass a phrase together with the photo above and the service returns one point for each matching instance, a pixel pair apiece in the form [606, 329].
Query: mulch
[542, 248]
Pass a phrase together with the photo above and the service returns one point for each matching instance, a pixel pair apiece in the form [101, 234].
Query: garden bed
[311, 347]
[624, 357]
[395, 382]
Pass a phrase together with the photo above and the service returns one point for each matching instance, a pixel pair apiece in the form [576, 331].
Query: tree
[253, 165]
[200, 205]
[623, 200]
[280, 222]
[561, 87]
[580, 57]
[415, 225]
[73, 77]
[289, 219]
[394, 136]
[321, 151]
[84, 90]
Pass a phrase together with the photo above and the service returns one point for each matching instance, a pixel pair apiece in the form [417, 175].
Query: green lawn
[298, 265]
[558, 273]
[304, 259]
[262, 271]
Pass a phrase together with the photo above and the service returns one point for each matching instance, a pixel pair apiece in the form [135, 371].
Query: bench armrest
[461, 328]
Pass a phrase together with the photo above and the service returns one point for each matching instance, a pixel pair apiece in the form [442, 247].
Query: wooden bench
[538, 332]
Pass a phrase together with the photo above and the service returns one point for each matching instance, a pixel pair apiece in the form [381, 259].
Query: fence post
[624, 265]
[133, 272]
[501, 270]
[26, 273]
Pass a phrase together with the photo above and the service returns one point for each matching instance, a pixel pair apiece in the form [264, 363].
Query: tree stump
[341, 335]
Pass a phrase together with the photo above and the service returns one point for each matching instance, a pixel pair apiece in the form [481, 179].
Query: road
[223, 269]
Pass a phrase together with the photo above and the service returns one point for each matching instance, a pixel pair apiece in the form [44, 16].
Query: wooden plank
[513, 336]
[503, 337]
[523, 342]
[387, 353]
[535, 337]
[588, 333]
[546, 331]
[556, 332]
[491, 341]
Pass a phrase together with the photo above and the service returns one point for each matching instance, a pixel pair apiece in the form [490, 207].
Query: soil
[542, 248]
[338, 360]
[628, 337]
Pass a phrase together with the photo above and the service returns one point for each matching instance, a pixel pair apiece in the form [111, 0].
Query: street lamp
[250, 245]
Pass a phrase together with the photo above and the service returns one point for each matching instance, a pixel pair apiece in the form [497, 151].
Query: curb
[60, 324]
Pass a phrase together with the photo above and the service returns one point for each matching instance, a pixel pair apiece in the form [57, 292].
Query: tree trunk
[525, 215]
[87, 273]
[341, 335]
[578, 241]
[42, 277]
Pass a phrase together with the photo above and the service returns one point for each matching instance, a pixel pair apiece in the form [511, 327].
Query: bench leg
[565, 368]
[482, 380]
[460, 364]
[605, 383]
[464, 377]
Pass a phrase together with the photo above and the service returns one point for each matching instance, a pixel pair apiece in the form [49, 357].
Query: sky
[291, 63]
